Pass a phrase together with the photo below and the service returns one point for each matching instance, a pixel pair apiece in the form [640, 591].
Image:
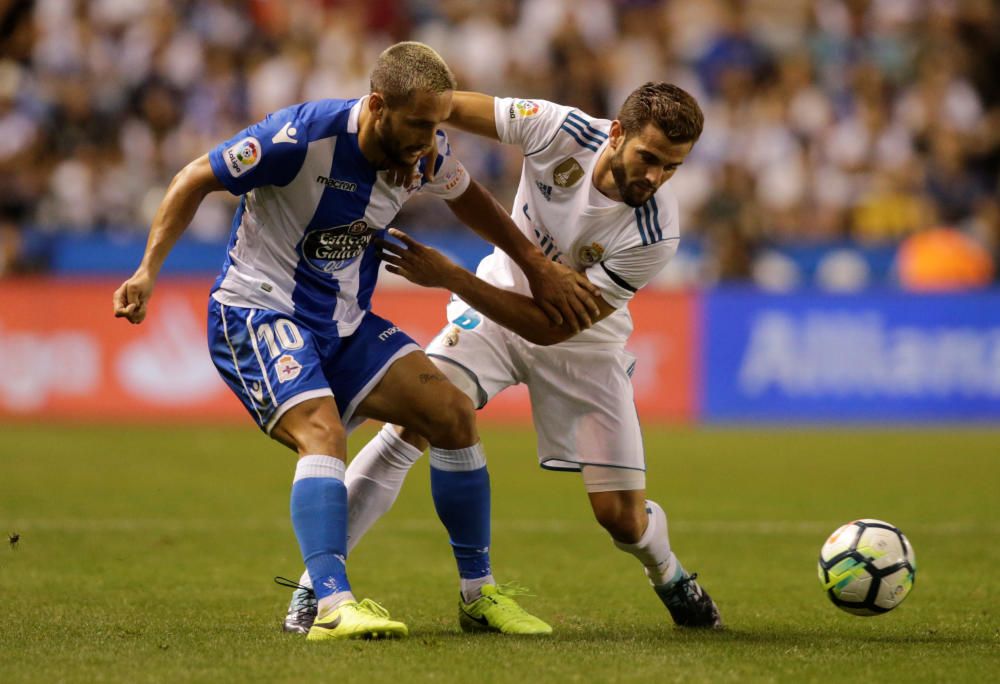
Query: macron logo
[337, 184]
[285, 135]
[386, 334]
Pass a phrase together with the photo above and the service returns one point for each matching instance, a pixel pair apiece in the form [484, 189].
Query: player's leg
[418, 396]
[376, 474]
[434, 410]
[638, 526]
[374, 478]
[284, 388]
[415, 394]
[319, 517]
[585, 417]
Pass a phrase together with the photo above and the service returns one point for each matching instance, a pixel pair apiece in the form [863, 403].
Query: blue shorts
[272, 361]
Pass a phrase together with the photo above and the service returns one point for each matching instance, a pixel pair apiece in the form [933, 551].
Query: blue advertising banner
[876, 356]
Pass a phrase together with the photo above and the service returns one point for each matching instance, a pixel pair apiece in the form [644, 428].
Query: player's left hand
[563, 294]
[415, 261]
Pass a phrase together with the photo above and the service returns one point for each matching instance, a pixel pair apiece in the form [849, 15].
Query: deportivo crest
[287, 367]
[331, 249]
[242, 156]
[567, 173]
[590, 254]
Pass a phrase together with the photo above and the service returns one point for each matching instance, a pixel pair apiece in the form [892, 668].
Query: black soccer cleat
[689, 604]
[302, 610]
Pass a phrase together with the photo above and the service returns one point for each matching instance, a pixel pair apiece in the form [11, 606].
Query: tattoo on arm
[431, 377]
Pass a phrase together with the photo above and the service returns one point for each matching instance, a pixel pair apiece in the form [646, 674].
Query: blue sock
[460, 485]
[319, 517]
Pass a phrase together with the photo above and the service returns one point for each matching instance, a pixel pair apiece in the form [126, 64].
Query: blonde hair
[408, 67]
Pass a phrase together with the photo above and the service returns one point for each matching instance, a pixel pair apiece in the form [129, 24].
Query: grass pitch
[147, 555]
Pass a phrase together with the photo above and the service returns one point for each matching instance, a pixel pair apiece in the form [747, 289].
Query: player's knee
[452, 423]
[625, 523]
[411, 437]
[313, 431]
[324, 438]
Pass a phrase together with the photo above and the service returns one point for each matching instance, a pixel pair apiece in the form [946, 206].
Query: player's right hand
[563, 294]
[132, 296]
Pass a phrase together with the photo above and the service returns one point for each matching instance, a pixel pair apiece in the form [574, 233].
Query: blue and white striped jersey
[557, 207]
[302, 239]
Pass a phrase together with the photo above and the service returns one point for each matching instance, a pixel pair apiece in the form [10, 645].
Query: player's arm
[563, 295]
[473, 113]
[425, 266]
[184, 195]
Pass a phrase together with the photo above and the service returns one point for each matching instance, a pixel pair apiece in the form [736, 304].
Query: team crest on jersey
[567, 173]
[450, 338]
[590, 254]
[523, 109]
[242, 156]
[330, 249]
[287, 367]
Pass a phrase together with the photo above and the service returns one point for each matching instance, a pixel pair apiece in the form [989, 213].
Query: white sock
[472, 589]
[374, 478]
[653, 549]
[332, 602]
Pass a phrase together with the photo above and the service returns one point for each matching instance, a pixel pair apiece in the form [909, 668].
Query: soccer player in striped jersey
[291, 329]
[593, 195]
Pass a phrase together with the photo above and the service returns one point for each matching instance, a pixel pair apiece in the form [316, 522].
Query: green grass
[147, 555]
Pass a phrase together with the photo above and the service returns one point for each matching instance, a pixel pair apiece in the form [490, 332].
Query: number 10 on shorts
[283, 335]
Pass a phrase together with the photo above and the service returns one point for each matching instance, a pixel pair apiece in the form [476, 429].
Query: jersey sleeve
[623, 274]
[531, 124]
[450, 177]
[270, 152]
[625, 271]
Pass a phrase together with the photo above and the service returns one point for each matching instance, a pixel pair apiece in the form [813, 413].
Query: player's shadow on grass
[600, 636]
[832, 637]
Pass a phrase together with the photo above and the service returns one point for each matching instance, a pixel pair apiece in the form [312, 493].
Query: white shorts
[582, 403]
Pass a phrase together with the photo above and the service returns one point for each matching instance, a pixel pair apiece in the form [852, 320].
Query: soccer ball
[867, 567]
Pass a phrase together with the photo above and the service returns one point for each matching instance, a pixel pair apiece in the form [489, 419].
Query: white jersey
[302, 239]
[620, 248]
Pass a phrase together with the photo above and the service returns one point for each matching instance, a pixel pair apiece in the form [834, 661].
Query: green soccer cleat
[496, 611]
[357, 620]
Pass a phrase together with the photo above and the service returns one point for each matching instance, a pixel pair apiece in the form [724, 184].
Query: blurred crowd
[861, 121]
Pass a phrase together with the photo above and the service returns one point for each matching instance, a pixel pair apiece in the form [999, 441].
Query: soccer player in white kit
[290, 326]
[592, 196]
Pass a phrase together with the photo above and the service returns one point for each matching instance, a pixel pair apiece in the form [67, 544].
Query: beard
[391, 147]
[635, 193]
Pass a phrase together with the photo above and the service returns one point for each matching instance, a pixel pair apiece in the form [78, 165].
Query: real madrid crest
[450, 338]
[590, 254]
[567, 173]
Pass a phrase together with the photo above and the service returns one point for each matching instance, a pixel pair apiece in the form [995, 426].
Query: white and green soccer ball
[867, 567]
